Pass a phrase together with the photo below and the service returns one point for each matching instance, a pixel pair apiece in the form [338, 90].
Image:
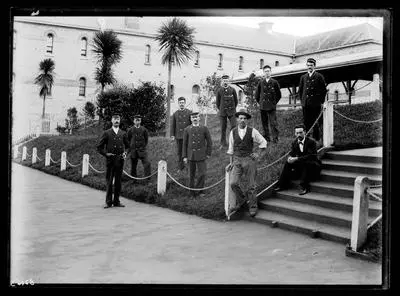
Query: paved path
[61, 234]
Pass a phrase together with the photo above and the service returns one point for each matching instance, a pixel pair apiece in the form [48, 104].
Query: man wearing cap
[268, 94]
[113, 145]
[197, 146]
[243, 161]
[180, 120]
[312, 90]
[226, 103]
[138, 137]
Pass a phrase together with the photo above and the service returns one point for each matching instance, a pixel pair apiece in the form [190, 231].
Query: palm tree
[176, 39]
[45, 79]
[107, 50]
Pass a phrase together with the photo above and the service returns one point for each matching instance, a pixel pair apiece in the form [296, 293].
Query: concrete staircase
[326, 211]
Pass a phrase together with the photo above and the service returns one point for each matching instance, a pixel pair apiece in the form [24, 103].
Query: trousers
[310, 114]
[115, 165]
[201, 168]
[145, 162]
[305, 170]
[269, 118]
[179, 145]
[223, 121]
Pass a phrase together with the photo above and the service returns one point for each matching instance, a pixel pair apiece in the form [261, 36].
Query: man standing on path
[197, 147]
[312, 90]
[114, 146]
[180, 120]
[243, 161]
[138, 138]
[226, 102]
[268, 94]
[302, 161]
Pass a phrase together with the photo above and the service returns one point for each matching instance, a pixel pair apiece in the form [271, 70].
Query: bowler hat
[225, 76]
[114, 115]
[311, 60]
[137, 116]
[243, 111]
[194, 113]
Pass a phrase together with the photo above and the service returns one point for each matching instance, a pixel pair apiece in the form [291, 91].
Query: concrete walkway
[60, 233]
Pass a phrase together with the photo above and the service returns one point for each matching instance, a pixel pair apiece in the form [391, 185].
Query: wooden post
[162, 177]
[24, 153]
[63, 164]
[360, 213]
[85, 165]
[328, 124]
[16, 151]
[375, 93]
[230, 197]
[47, 160]
[34, 155]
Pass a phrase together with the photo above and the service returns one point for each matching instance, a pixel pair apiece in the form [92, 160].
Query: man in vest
[180, 120]
[226, 103]
[302, 162]
[312, 90]
[197, 147]
[243, 161]
[268, 94]
[138, 137]
[114, 146]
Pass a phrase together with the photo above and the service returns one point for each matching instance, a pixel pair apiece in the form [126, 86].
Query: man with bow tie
[302, 162]
[312, 90]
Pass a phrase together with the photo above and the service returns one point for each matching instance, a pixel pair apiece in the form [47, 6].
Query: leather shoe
[106, 206]
[276, 189]
[253, 212]
[119, 205]
[304, 191]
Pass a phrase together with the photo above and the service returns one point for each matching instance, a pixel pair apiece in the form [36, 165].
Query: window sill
[83, 58]
[147, 64]
[80, 98]
[46, 54]
[196, 66]
[220, 68]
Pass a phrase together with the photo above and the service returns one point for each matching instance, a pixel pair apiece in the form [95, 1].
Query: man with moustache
[302, 161]
[226, 103]
[268, 94]
[197, 147]
[243, 161]
[312, 90]
[114, 146]
[180, 120]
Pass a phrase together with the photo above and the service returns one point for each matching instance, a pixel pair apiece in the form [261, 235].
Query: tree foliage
[45, 80]
[249, 91]
[89, 110]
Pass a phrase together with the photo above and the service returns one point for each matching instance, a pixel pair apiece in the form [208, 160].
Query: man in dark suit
[312, 90]
[268, 94]
[138, 138]
[114, 145]
[226, 102]
[197, 146]
[302, 161]
[180, 120]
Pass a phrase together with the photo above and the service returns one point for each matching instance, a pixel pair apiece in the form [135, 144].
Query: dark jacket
[312, 89]
[309, 150]
[197, 143]
[113, 143]
[180, 120]
[226, 101]
[138, 139]
[268, 94]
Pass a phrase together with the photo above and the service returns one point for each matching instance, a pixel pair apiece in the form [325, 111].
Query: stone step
[327, 201]
[346, 177]
[312, 228]
[338, 189]
[352, 166]
[347, 156]
[308, 212]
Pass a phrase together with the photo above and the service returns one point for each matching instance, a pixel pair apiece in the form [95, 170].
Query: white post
[16, 147]
[85, 165]
[360, 213]
[328, 124]
[375, 93]
[24, 153]
[38, 131]
[63, 164]
[230, 197]
[162, 177]
[34, 155]
[47, 160]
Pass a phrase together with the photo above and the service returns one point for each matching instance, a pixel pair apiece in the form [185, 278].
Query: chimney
[265, 27]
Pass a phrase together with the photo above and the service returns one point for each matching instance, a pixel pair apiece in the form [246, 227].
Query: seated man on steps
[302, 162]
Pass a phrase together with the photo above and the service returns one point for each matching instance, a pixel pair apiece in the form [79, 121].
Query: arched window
[197, 60]
[172, 92]
[49, 44]
[261, 63]
[82, 87]
[147, 54]
[240, 63]
[276, 63]
[196, 90]
[240, 97]
[83, 46]
[220, 60]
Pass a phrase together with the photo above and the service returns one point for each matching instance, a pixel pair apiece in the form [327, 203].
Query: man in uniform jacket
[312, 90]
[226, 103]
[243, 161]
[138, 138]
[113, 145]
[197, 146]
[268, 94]
[180, 120]
[302, 162]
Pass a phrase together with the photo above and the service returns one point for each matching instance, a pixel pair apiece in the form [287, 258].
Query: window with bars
[240, 63]
[261, 63]
[83, 46]
[50, 42]
[82, 87]
[197, 60]
[147, 54]
[220, 60]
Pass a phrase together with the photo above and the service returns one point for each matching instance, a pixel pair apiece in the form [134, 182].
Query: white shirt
[301, 146]
[267, 79]
[262, 143]
[115, 129]
[311, 73]
[196, 124]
